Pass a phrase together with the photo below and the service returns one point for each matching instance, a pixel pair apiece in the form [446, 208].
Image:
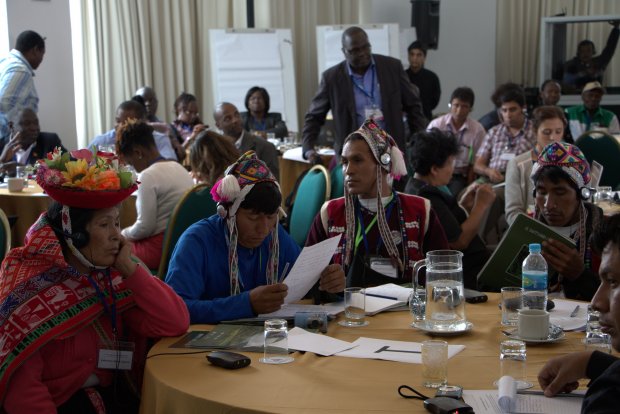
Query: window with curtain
[165, 44]
[518, 36]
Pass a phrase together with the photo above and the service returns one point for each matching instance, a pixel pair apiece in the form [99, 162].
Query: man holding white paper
[561, 374]
[230, 266]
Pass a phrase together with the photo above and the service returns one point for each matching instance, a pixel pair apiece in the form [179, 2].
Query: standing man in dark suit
[363, 86]
[228, 120]
[28, 144]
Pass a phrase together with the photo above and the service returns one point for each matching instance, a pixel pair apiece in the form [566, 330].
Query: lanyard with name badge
[379, 264]
[113, 354]
[373, 112]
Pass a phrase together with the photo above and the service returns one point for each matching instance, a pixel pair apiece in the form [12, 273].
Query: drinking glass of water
[354, 307]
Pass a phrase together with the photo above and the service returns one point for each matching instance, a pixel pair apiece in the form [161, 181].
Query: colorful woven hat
[383, 148]
[229, 193]
[89, 180]
[566, 156]
[390, 159]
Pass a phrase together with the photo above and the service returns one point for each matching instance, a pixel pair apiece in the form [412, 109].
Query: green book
[239, 337]
[504, 266]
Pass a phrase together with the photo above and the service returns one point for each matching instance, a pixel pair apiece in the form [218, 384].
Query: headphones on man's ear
[585, 193]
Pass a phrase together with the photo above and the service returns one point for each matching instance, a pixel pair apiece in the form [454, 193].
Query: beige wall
[54, 78]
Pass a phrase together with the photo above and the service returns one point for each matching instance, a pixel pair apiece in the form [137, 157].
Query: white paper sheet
[302, 340]
[486, 402]
[560, 315]
[308, 267]
[399, 351]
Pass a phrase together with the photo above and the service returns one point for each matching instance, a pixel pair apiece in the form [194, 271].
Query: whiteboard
[243, 58]
[384, 39]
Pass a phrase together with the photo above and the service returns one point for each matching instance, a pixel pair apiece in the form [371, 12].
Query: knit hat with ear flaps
[229, 193]
[389, 158]
[572, 161]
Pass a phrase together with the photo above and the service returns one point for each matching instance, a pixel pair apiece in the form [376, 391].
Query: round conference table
[29, 203]
[313, 384]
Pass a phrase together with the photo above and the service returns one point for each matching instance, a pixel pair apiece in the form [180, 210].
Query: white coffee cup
[533, 324]
[16, 184]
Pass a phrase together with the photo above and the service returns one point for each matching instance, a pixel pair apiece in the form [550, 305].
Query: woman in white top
[162, 184]
[549, 123]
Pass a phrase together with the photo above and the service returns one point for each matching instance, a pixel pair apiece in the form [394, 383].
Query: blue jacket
[199, 271]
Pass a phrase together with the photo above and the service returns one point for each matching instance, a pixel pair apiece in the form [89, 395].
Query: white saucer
[555, 334]
[423, 326]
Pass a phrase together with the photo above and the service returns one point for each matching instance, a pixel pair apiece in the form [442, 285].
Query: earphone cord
[418, 396]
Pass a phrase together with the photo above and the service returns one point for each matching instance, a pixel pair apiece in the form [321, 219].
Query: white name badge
[507, 156]
[383, 266]
[120, 358]
[374, 113]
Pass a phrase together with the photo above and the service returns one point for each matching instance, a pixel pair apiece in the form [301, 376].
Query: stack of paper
[507, 400]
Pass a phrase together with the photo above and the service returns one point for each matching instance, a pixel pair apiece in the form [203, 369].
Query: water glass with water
[604, 194]
[445, 299]
[512, 361]
[20, 172]
[354, 307]
[276, 342]
[512, 301]
[434, 363]
[596, 339]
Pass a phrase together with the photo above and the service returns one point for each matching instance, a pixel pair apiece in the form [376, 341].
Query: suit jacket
[335, 92]
[273, 123]
[46, 142]
[265, 151]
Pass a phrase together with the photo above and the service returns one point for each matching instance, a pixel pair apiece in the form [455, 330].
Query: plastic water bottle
[534, 279]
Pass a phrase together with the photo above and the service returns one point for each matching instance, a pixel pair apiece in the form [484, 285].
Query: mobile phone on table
[473, 296]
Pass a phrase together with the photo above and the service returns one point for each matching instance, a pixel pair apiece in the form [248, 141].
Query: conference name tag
[383, 266]
[118, 357]
[373, 113]
[507, 156]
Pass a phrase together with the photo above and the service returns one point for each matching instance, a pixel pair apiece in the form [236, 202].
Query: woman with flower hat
[162, 184]
[76, 308]
[391, 237]
[231, 265]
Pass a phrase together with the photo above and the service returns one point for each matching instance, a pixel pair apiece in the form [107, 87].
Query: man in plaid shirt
[505, 141]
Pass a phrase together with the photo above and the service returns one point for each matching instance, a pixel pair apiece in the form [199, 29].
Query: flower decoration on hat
[84, 179]
[229, 193]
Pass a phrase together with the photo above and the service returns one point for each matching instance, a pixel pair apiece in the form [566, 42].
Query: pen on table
[381, 296]
[575, 311]
[285, 270]
[570, 395]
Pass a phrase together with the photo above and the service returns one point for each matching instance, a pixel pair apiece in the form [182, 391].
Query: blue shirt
[17, 89]
[366, 93]
[199, 271]
[162, 142]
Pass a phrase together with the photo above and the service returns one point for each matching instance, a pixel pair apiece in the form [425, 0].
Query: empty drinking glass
[595, 338]
[276, 342]
[512, 359]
